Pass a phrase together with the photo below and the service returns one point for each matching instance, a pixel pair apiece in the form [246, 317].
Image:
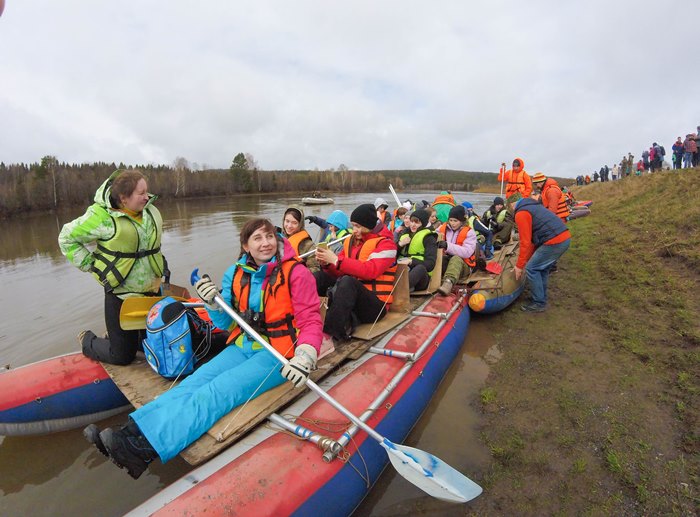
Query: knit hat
[467, 205]
[457, 212]
[338, 219]
[516, 196]
[422, 215]
[365, 215]
[538, 177]
[498, 201]
[380, 201]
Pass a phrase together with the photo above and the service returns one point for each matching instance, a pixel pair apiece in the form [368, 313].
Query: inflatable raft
[65, 392]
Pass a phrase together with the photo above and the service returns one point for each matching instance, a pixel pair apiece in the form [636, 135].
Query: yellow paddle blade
[132, 315]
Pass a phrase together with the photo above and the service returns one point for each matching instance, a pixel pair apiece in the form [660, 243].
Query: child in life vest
[459, 243]
[418, 249]
[294, 231]
[335, 227]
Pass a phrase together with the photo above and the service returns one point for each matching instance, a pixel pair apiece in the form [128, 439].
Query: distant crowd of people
[684, 154]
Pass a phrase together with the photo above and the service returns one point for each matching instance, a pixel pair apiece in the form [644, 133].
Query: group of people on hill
[276, 283]
[684, 154]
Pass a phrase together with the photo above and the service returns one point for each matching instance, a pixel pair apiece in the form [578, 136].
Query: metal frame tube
[322, 442]
[391, 386]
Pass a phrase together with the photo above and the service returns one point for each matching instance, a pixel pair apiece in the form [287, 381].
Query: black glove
[442, 245]
[309, 218]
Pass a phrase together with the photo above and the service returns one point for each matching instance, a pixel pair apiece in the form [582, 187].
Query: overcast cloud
[568, 86]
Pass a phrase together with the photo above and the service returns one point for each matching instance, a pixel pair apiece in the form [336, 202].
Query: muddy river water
[46, 301]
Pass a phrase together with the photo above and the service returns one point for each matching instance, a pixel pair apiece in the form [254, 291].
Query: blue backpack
[176, 337]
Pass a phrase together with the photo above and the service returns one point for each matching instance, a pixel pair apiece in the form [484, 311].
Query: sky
[567, 86]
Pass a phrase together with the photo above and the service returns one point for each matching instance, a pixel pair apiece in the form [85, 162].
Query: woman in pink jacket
[276, 294]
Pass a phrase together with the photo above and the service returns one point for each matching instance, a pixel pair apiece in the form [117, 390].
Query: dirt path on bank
[593, 408]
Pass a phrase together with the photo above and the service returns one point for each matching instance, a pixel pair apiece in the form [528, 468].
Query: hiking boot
[446, 287]
[553, 268]
[533, 307]
[132, 453]
[85, 340]
[497, 245]
[92, 435]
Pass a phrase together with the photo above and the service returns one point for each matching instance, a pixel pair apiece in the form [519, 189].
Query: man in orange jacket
[553, 198]
[543, 239]
[517, 180]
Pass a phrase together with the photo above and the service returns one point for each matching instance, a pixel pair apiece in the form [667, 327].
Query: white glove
[207, 290]
[299, 367]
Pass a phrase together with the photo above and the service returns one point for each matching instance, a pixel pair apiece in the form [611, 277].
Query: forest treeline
[50, 184]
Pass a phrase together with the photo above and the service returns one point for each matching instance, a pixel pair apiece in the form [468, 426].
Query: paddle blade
[132, 315]
[494, 267]
[431, 474]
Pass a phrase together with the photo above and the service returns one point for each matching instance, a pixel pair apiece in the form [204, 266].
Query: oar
[132, 315]
[503, 176]
[424, 470]
[396, 198]
[312, 251]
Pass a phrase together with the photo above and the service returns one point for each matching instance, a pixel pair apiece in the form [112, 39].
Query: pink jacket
[467, 248]
[305, 302]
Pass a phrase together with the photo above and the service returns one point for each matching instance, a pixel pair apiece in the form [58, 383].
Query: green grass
[612, 393]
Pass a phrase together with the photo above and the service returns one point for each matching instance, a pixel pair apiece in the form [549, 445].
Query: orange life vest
[562, 209]
[461, 236]
[383, 285]
[384, 216]
[516, 182]
[276, 322]
[296, 239]
[446, 199]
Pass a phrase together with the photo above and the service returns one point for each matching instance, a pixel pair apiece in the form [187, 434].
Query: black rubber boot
[92, 435]
[132, 453]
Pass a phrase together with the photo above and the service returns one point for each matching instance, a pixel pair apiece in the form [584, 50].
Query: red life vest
[277, 323]
[383, 285]
[461, 237]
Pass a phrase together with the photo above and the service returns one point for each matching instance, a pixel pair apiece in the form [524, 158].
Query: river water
[46, 302]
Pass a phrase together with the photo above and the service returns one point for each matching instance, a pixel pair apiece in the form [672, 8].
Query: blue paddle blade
[431, 474]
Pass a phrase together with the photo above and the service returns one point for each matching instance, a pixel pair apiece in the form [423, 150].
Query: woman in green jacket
[123, 230]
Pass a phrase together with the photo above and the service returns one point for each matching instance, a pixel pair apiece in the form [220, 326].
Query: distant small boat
[317, 200]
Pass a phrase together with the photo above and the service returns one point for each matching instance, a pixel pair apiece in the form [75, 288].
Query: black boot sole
[92, 435]
[135, 467]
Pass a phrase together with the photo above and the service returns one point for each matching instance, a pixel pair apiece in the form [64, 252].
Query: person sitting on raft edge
[360, 278]
[267, 282]
[418, 246]
[294, 231]
[334, 228]
[460, 244]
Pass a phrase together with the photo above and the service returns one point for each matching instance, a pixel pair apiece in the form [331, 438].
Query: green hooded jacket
[113, 230]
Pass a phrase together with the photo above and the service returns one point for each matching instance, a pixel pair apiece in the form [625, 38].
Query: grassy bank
[594, 407]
